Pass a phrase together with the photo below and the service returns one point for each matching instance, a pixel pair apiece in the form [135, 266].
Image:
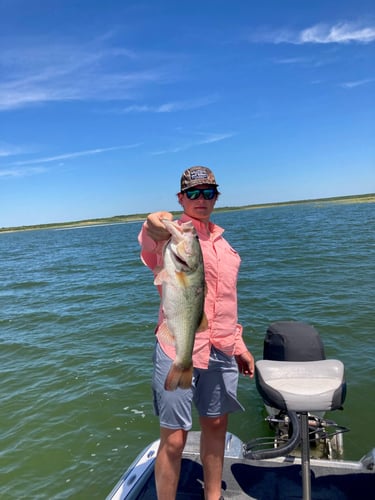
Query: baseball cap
[194, 176]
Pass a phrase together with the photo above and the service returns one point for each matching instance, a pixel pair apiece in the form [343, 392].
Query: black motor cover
[292, 341]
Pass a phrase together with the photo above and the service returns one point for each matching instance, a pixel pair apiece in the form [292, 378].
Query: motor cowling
[292, 341]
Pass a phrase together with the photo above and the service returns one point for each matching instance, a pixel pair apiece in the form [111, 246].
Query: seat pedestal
[305, 448]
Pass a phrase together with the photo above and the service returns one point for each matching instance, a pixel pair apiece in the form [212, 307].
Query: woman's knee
[214, 424]
[173, 441]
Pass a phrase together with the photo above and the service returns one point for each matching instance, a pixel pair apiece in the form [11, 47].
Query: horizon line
[140, 216]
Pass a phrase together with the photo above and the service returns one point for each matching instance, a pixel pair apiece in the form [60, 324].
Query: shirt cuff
[240, 346]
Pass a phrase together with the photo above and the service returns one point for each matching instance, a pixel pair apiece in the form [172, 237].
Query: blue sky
[103, 104]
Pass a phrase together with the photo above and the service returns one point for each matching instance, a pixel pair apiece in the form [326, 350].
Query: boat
[302, 460]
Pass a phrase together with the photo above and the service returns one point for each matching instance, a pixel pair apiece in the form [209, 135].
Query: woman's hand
[245, 362]
[155, 228]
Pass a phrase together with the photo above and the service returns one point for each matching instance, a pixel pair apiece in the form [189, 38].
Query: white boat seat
[301, 386]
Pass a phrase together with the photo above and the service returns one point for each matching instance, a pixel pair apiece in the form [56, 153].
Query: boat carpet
[245, 479]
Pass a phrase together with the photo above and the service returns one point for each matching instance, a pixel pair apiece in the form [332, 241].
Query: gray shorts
[213, 390]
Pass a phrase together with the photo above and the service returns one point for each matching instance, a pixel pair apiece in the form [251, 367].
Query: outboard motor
[292, 341]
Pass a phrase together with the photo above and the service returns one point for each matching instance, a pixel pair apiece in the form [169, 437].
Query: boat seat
[301, 386]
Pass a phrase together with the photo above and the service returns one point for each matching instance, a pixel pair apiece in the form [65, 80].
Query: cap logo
[198, 175]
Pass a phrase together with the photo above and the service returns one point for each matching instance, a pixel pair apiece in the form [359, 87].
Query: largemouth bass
[183, 290]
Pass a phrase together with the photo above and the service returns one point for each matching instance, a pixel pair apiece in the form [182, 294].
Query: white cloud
[22, 172]
[68, 156]
[339, 33]
[21, 168]
[40, 73]
[206, 139]
[357, 83]
[171, 107]
[292, 60]
[6, 151]
[215, 138]
[321, 33]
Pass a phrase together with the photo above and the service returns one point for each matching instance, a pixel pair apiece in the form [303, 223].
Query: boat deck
[261, 482]
[273, 479]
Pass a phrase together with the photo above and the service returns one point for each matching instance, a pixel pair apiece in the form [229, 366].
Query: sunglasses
[194, 193]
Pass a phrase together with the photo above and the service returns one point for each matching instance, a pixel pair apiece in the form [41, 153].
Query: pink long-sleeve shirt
[221, 265]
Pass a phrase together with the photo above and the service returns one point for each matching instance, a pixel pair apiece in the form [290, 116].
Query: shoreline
[121, 219]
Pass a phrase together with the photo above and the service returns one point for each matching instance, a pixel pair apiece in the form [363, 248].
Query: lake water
[77, 314]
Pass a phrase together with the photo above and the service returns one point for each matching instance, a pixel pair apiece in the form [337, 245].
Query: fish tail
[179, 377]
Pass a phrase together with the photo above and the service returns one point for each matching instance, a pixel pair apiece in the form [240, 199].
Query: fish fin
[179, 377]
[165, 334]
[161, 276]
[203, 324]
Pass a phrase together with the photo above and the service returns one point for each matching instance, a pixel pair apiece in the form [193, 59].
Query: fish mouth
[180, 260]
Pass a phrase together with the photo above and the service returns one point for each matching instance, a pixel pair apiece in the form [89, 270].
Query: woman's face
[198, 208]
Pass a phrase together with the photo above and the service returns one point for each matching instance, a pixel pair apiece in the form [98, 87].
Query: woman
[219, 352]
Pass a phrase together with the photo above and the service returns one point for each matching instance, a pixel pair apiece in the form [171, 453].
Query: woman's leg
[213, 430]
[168, 462]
